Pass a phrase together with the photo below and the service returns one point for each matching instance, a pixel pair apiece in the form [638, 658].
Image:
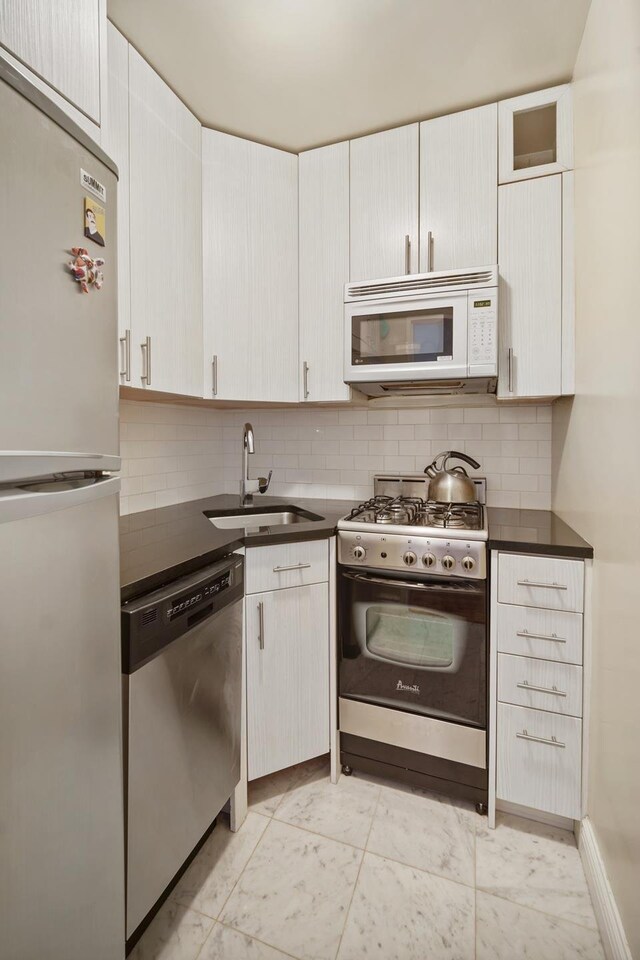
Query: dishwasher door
[182, 713]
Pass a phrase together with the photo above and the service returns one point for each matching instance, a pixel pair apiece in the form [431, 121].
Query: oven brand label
[408, 688]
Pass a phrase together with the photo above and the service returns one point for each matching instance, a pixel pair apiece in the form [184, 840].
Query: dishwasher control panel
[183, 604]
[151, 622]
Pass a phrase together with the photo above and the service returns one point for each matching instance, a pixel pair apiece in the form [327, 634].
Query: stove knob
[428, 559]
[410, 558]
[359, 553]
[468, 563]
[448, 563]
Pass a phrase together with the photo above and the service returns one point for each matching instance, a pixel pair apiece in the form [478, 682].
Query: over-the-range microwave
[423, 334]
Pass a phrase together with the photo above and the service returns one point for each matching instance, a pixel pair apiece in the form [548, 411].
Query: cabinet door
[116, 143]
[166, 234]
[287, 635]
[60, 42]
[324, 270]
[250, 242]
[459, 190]
[384, 204]
[530, 293]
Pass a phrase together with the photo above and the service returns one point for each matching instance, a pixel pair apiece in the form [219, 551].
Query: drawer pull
[292, 566]
[552, 742]
[525, 685]
[540, 583]
[540, 636]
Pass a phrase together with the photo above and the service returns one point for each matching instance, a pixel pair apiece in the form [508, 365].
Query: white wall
[169, 454]
[176, 453]
[597, 436]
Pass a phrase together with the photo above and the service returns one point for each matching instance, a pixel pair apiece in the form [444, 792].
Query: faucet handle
[263, 482]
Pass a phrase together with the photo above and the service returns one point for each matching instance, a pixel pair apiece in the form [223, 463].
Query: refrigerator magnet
[94, 221]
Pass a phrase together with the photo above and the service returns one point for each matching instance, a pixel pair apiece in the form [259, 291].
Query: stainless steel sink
[257, 519]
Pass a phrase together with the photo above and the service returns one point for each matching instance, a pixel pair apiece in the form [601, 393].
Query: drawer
[547, 634]
[286, 565]
[533, 768]
[543, 684]
[541, 582]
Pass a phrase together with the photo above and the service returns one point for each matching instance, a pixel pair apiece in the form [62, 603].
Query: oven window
[408, 635]
[403, 337]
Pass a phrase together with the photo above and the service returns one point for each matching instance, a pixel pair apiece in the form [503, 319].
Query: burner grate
[413, 511]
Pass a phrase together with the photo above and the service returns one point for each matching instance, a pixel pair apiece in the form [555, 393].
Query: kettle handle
[461, 456]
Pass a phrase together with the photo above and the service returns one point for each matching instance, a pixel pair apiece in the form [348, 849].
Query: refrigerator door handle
[34, 499]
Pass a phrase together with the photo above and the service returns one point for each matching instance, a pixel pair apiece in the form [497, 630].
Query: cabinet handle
[407, 254]
[540, 636]
[261, 624]
[146, 376]
[429, 252]
[305, 378]
[126, 341]
[525, 685]
[292, 566]
[214, 374]
[541, 583]
[552, 742]
[510, 361]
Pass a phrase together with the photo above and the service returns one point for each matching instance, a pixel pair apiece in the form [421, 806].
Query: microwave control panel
[483, 330]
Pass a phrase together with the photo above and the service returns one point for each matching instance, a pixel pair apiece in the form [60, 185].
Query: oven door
[416, 646]
[420, 338]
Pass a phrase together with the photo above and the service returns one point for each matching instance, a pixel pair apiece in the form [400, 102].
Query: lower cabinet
[538, 667]
[287, 643]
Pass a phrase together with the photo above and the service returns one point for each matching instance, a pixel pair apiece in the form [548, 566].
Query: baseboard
[551, 819]
[614, 941]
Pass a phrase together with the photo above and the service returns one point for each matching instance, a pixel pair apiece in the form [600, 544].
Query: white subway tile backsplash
[176, 453]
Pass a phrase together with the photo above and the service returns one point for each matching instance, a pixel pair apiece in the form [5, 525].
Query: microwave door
[425, 338]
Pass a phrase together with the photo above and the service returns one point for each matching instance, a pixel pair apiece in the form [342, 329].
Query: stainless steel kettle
[451, 486]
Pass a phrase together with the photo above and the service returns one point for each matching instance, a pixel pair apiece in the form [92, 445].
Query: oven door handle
[409, 584]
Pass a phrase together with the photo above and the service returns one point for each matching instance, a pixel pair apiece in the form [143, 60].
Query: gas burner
[459, 516]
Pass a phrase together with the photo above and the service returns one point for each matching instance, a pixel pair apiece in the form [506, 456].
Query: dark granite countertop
[158, 545]
[534, 531]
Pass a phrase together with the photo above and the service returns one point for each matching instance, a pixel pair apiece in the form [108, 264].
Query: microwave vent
[441, 281]
[429, 388]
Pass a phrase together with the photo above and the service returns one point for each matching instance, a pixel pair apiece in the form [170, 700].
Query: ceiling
[300, 73]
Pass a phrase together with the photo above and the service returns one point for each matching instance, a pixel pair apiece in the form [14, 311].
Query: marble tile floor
[371, 870]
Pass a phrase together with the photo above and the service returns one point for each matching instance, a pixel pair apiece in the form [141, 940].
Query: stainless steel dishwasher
[182, 677]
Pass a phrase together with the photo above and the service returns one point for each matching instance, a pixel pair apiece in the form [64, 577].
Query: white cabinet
[294, 564]
[323, 270]
[116, 143]
[287, 642]
[539, 760]
[459, 190]
[539, 674]
[62, 43]
[165, 235]
[384, 204]
[250, 260]
[536, 134]
[530, 293]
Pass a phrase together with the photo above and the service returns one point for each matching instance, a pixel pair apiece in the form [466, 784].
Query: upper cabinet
[459, 190]
[324, 270]
[115, 141]
[530, 295]
[62, 44]
[165, 235]
[536, 134]
[250, 244]
[384, 204]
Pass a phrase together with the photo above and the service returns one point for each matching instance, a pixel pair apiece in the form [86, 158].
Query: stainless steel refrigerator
[61, 795]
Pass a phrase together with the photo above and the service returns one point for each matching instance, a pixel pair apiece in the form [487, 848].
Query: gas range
[400, 529]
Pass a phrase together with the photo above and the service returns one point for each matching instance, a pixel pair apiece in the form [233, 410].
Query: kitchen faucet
[248, 486]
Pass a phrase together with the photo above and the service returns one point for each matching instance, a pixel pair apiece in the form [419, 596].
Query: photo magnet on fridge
[94, 221]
